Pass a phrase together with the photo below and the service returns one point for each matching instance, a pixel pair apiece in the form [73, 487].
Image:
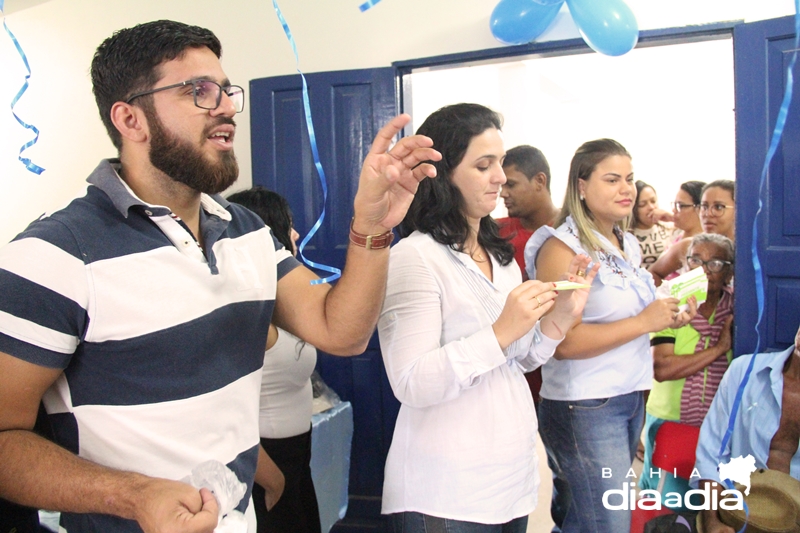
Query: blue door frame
[762, 51]
[349, 107]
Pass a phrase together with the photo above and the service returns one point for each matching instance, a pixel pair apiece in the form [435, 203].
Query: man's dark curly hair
[128, 62]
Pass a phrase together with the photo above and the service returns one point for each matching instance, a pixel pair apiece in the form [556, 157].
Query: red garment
[512, 226]
[509, 227]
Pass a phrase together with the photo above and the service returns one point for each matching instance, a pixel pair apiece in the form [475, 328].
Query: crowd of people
[162, 326]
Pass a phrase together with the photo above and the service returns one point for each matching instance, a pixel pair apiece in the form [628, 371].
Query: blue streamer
[336, 273]
[368, 4]
[27, 162]
[777, 133]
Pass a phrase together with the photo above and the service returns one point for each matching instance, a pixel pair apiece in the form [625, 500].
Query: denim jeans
[411, 522]
[559, 500]
[586, 437]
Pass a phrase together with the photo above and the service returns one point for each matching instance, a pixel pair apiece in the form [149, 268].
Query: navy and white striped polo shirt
[161, 344]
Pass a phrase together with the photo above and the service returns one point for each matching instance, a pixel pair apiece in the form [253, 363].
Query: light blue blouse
[622, 289]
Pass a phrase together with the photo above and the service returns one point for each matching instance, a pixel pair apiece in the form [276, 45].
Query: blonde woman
[592, 407]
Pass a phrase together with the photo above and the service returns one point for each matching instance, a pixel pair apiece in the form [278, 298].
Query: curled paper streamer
[368, 4]
[336, 273]
[777, 133]
[36, 169]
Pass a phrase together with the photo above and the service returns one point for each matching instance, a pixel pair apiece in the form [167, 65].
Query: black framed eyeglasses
[715, 209]
[207, 94]
[677, 206]
[714, 265]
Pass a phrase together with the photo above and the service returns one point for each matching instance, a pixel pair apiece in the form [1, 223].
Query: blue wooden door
[762, 51]
[348, 108]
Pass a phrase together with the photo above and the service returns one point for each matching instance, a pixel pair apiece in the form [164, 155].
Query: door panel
[762, 51]
[348, 108]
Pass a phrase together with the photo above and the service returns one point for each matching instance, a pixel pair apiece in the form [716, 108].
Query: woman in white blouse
[458, 330]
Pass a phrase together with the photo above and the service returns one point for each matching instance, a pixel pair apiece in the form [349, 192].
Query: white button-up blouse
[464, 445]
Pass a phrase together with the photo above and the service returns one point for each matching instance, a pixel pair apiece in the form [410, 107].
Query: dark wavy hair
[271, 207]
[128, 62]
[438, 206]
[728, 185]
[694, 189]
[640, 186]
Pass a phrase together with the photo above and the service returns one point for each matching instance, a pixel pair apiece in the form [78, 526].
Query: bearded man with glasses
[139, 313]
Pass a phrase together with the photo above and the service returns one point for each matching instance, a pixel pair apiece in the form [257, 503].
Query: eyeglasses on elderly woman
[713, 265]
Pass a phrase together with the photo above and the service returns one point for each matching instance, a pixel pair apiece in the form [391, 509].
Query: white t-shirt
[654, 241]
[286, 393]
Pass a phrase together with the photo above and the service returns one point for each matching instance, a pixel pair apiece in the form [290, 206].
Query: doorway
[671, 105]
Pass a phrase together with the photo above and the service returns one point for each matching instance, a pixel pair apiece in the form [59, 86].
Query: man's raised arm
[340, 320]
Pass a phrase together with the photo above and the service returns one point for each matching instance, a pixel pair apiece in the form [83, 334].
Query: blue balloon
[521, 21]
[608, 26]
[549, 2]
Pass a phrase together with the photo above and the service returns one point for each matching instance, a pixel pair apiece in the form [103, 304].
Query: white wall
[60, 36]
[671, 106]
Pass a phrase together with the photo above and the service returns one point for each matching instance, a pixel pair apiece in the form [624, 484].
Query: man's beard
[185, 163]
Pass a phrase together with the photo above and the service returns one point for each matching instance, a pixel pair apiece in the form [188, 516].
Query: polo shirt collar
[773, 371]
[106, 178]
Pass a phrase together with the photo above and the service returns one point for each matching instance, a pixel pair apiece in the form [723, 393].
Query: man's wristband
[370, 242]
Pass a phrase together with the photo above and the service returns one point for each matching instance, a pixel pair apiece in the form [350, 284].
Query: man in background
[767, 423]
[526, 194]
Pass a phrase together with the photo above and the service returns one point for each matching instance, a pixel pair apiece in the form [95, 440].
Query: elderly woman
[592, 407]
[690, 361]
[458, 330]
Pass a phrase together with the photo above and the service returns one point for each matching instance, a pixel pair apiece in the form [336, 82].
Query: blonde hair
[584, 162]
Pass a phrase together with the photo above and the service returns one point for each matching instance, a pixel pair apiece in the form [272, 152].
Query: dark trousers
[18, 519]
[411, 522]
[297, 510]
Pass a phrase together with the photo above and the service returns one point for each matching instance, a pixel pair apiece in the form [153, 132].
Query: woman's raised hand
[569, 304]
[659, 215]
[525, 305]
[660, 314]
[664, 313]
[724, 343]
[684, 317]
